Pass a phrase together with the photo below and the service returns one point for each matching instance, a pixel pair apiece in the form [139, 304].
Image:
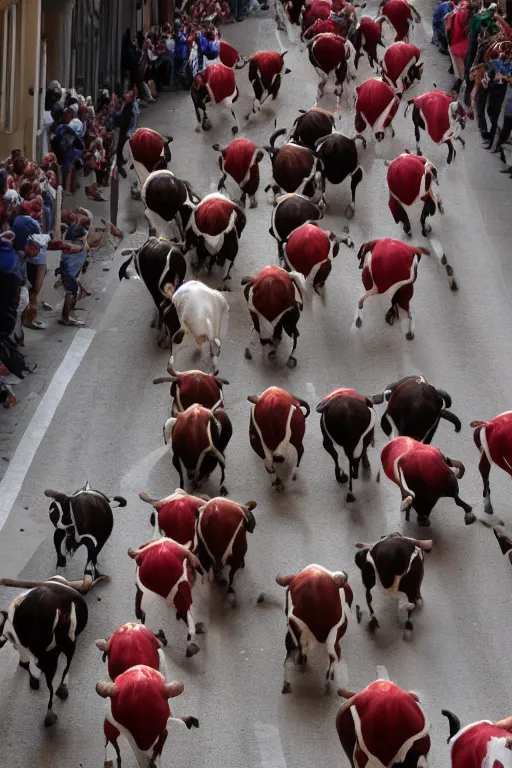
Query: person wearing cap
[31, 244]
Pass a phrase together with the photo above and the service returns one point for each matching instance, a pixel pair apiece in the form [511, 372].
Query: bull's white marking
[229, 549]
[378, 126]
[359, 447]
[281, 449]
[12, 481]
[143, 757]
[403, 602]
[382, 673]
[269, 743]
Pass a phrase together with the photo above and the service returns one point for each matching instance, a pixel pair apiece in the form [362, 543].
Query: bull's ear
[253, 398]
[260, 154]
[250, 505]
[102, 645]
[171, 690]
[413, 695]
[346, 694]
[284, 581]
[245, 280]
[340, 578]
[506, 724]
[132, 552]
[106, 690]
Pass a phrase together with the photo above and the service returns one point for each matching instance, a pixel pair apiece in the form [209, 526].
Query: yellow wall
[27, 77]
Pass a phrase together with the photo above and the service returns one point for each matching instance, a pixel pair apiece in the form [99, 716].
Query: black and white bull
[191, 387]
[376, 106]
[493, 439]
[383, 726]
[390, 267]
[162, 267]
[423, 475]
[401, 67]
[276, 432]
[213, 230]
[328, 53]
[309, 251]
[197, 315]
[442, 116]
[340, 158]
[396, 564]
[481, 744]
[169, 202]
[240, 161]
[266, 71]
[41, 624]
[348, 420]
[82, 519]
[317, 605]
[275, 299]
[294, 169]
[311, 125]
[289, 213]
[367, 38]
[410, 182]
[214, 85]
[199, 438]
[222, 528]
[414, 409]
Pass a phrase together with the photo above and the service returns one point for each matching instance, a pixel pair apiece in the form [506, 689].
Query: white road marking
[269, 742]
[382, 673]
[12, 481]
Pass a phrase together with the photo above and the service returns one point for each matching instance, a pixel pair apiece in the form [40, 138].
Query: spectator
[30, 244]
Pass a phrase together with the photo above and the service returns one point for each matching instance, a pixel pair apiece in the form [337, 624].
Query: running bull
[275, 299]
[367, 37]
[214, 85]
[311, 125]
[290, 212]
[400, 15]
[83, 518]
[480, 744]
[167, 569]
[199, 438]
[214, 229]
[396, 563]
[191, 387]
[410, 182]
[276, 432]
[424, 475]
[240, 161]
[376, 106]
[150, 152]
[383, 726]
[339, 157]
[294, 169]
[317, 603]
[222, 528]
[414, 409]
[348, 420]
[169, 202]
[442, 116]
[328, 54]
[493, 439]
[138, 708]
[401, 67]
[175, 516]
[309, 250]
[266, 71]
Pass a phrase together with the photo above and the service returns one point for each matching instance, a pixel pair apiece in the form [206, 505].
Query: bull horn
[102, 645]
[80, 586]
[250, 505]
[424, 544]
[220, 380]
[284, 581]
[506, 724]
[246, 279]
[453, 722]
[217, 148]
[346, 694]
[359, 545]
[106, 690]
[52, 494]
[145, 497]
[132, 552]
[165, 380]
[171, 690]
[340, 578]
[458, 465]
[253, 398]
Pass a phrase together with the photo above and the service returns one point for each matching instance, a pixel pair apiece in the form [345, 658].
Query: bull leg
[156, 758]
[321, 86]
[222, 183]
[300, 454]
[292, 647]
[91, 568]
[26, 663]
[192, 646]
[410, 332]
[234, 128]
[426, 229]
[451, 152]
[177, 466]
[341, 477]
[359, 317]
[417, 120]
[349, 498]
[198, 116]
[139, 613]
[49, 669]
[108, 763]
[355, 180]
[292, 361]
[59, 538]
[69, 651]
[230, 594]
[463, 143]
[469, 517]
[484, 468]
[374, 624]
[222, 490]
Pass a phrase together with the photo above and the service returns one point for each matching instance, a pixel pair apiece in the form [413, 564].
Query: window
[7, 68]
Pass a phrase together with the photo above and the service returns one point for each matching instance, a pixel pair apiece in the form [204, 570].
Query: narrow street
[107, 429]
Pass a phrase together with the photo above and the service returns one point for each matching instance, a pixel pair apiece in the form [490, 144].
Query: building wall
[23, 135]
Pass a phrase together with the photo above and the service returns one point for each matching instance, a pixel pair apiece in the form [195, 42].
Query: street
[107, 429]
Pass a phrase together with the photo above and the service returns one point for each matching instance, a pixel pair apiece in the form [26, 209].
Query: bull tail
[121, 501]
[475, 424]
[306, 407]
[124, 267]
[322, 406]
[359, 137]
[446, 397]
[275, 135]
[453, 722]
[452, 418]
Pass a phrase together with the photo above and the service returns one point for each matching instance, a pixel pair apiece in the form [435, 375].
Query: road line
[270, 745]
[382, 673]
[12, 481]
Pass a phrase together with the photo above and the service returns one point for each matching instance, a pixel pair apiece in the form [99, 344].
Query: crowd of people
[478, 39]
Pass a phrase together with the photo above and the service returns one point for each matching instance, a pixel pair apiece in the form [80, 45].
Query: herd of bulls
[382, 725]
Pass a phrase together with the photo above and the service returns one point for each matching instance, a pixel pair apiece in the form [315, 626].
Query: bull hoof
[359, 614]
[50, 719]
[427, 230]
[223, 490]
[341, 477]
[408, 633]
[254, 204]
[374, 624]
[207, 126]
[231, 599]
[440, 207]
[261, 598]
[349, 498]
[161, 636]
[390, 317]
[469, 518]
[192, 649]
[488, 508]
[291, 362]
[200, 628]
[61, 562]
[234, 130]
[349, 211]
[328, 688]
[453, 285]
[423, 521]
[272, 354]
[34, 683]
[191, 722]
[247, 354]
[62, 692]
[286, 688]
[108, 764]
[409, 335]
[359, 322]
[198, 129]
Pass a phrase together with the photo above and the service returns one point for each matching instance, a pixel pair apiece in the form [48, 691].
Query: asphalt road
[107, 429]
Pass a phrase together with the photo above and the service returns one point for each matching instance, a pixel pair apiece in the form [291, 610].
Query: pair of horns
[171, 690]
